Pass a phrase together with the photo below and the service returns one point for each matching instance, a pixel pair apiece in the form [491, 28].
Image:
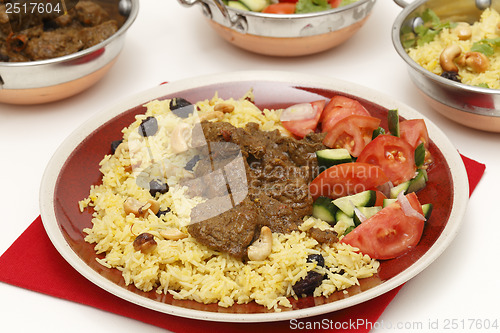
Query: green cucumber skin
[393, 122]
[419, 155]
[329, 157]
[418, 182]
[427, 209]
[324, 209]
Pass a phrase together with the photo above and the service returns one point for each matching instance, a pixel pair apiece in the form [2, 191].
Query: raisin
[306, 285]
[156, 186]
[115, 145]
[181, 107]
[192, 162]
[148, 127]
[163, 212]
[451, 76]
[320, 261]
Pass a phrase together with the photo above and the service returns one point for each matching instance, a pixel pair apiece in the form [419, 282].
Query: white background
[169, 42]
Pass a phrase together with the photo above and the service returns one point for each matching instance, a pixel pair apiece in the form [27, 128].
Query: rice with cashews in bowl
[463, 52]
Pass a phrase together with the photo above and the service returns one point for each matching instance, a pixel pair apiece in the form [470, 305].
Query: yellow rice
[428, 54]
[185, 268]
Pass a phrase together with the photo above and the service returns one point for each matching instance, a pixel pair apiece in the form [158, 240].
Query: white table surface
[169, 42]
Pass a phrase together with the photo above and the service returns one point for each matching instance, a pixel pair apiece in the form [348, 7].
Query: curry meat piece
[278, 170]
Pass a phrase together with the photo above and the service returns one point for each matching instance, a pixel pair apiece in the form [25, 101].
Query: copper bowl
[44, 81]
[285, 34]
[471, 106]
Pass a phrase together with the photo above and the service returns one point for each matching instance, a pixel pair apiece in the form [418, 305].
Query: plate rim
[63, 152]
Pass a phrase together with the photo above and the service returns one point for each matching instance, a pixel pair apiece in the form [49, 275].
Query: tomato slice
[334, 3]
[414, 131]
[346, 179]
[280, 8]
[379, 201]
[389, 233]
[394, 155]
[338, 108]
[352, 133]
[300, 119]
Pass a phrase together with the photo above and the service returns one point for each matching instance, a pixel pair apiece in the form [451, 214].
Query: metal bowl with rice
[473, 106]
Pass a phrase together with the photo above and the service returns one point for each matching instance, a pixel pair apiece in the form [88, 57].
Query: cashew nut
[121, 149]
[172, 234]
[463, 31]
[180, 135]
[224, 107]
[211, 115]
[152, 205]
[447, 57]
[261, 248]
[134, 206]
[477, 61]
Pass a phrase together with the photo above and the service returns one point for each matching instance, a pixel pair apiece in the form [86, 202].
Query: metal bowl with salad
[285, 28]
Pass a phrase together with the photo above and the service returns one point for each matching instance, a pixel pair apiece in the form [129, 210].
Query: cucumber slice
[340, 216]
[362, 199]
[256, 5]
[377, 132]
[344, 223]
[419, 155]
[237, 5]
[387, 202]
[367, 212]
[324, 209]
[418, 182]
[427, 208]
[349, 229]
[330, 157]
[396, 189]
[393, 122]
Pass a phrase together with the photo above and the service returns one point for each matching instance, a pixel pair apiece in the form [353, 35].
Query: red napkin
[33, 263]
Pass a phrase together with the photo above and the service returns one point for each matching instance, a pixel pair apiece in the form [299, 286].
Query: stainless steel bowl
[43, 81]
[285, 34]
[468, 105]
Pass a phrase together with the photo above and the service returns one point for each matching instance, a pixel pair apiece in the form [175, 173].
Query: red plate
[74, 168]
